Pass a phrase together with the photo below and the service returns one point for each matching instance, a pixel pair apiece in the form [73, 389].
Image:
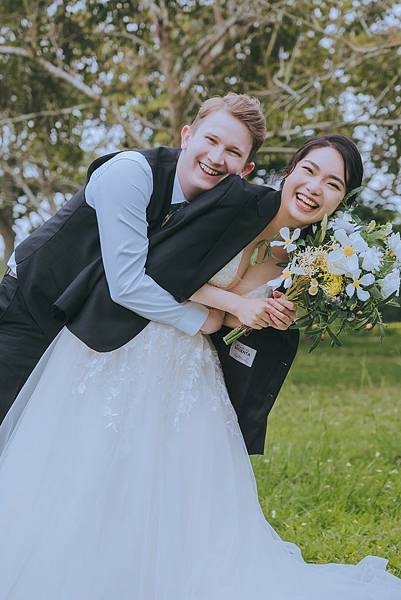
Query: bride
[126, 475]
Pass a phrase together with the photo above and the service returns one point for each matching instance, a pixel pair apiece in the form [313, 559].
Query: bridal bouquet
[340, 276]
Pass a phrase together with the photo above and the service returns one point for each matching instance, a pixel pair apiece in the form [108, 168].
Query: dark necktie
[173, 209]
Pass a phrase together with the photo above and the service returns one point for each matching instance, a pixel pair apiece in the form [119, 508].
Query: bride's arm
[277, 312]
[280, 312]
[229, 300]
[253, 277]
[250, 312]
[253, 312]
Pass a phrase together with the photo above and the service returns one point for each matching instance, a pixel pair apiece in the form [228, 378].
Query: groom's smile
[209, 171]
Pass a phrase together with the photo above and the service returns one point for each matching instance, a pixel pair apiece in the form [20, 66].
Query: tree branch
[277, 150]
[324, 125]
[128, 36]
[58, 72]
[44, 113]
[21, 183]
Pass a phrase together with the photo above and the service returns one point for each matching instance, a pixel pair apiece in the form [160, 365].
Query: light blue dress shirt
[120, 191]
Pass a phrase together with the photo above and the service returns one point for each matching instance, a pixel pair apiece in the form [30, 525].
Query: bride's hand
[282, 311]
[252, 312]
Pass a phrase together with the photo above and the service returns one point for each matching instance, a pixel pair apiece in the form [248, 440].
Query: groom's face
[219, 145]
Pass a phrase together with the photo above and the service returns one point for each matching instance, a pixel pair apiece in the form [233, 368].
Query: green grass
[330, 480]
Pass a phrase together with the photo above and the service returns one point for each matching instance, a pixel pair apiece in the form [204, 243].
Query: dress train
[124, 475]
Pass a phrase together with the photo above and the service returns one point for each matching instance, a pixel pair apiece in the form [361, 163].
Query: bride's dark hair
[344, 146]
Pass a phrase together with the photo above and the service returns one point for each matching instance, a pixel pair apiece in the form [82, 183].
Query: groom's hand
[213, 322]
[282, 311]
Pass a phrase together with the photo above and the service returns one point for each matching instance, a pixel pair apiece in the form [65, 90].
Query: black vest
[67, 248]
[60, 268]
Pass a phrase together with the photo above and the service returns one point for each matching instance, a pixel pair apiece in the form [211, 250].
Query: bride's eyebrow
[331, 176]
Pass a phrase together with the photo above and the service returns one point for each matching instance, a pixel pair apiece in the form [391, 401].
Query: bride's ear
[249, 167]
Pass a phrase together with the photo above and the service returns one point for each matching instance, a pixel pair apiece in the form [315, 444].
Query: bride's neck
[282, 219]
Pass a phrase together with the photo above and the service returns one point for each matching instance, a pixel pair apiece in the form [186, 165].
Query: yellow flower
[333, 284]
[314, 287]
[320, 265]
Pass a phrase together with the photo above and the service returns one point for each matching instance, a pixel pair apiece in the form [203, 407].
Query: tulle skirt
[124, 476]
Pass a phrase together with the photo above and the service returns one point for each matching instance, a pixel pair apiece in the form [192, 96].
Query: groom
[97, 244]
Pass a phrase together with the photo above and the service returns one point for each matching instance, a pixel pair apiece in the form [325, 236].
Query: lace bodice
[225, 277]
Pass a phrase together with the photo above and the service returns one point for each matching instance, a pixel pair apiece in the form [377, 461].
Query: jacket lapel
[208, 233]
[255, 214]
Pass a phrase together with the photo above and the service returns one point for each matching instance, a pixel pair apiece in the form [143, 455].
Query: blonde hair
[244, 108]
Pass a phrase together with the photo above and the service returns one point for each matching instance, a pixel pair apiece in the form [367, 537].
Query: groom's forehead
[227, 128]
[220, 120]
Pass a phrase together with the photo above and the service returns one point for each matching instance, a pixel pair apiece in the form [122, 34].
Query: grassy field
[330, 479]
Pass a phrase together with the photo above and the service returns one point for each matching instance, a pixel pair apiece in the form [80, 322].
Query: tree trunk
[6, 231]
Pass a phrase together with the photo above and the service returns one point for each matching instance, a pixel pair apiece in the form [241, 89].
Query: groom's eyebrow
[331, 175]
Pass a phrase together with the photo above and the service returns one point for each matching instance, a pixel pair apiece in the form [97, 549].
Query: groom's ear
[185, 135]
[249, 167]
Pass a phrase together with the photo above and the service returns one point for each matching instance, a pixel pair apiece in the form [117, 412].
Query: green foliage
[330, 478]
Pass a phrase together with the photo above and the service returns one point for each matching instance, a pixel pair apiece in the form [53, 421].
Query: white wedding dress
[124, 476]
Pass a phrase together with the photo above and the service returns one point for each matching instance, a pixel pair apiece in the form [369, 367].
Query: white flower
[286, 276]
[371, 226]
[372, 258]
[288, 243]
[358, 243]
[356, 284]
[390, 284]
[342, 220]
[388, 228]
[343, 260]
[394, 244]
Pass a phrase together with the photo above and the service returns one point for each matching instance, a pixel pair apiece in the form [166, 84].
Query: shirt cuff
[193, 319]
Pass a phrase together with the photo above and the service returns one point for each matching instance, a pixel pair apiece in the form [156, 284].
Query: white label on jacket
[243, 354]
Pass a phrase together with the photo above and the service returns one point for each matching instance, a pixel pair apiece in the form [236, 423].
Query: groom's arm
[120, 191]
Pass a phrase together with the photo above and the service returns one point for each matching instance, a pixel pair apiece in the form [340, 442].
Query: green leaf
[351, 194]
[305, 320]
[323, 229]
[254, 256]
[333, 337]
[315, 343]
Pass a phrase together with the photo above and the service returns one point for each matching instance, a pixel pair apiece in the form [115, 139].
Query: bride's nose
[314, 185]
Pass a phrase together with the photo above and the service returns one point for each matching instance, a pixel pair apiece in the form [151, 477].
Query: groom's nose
[216, 155]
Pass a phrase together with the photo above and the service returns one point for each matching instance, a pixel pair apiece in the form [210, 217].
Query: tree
[79, 78]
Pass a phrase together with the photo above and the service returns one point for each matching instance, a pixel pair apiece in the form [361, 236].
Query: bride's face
[314, 188]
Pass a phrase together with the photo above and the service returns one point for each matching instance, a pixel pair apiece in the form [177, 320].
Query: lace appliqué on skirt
[167, 366]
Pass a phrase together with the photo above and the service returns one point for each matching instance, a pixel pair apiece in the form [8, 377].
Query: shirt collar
[178, 195]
